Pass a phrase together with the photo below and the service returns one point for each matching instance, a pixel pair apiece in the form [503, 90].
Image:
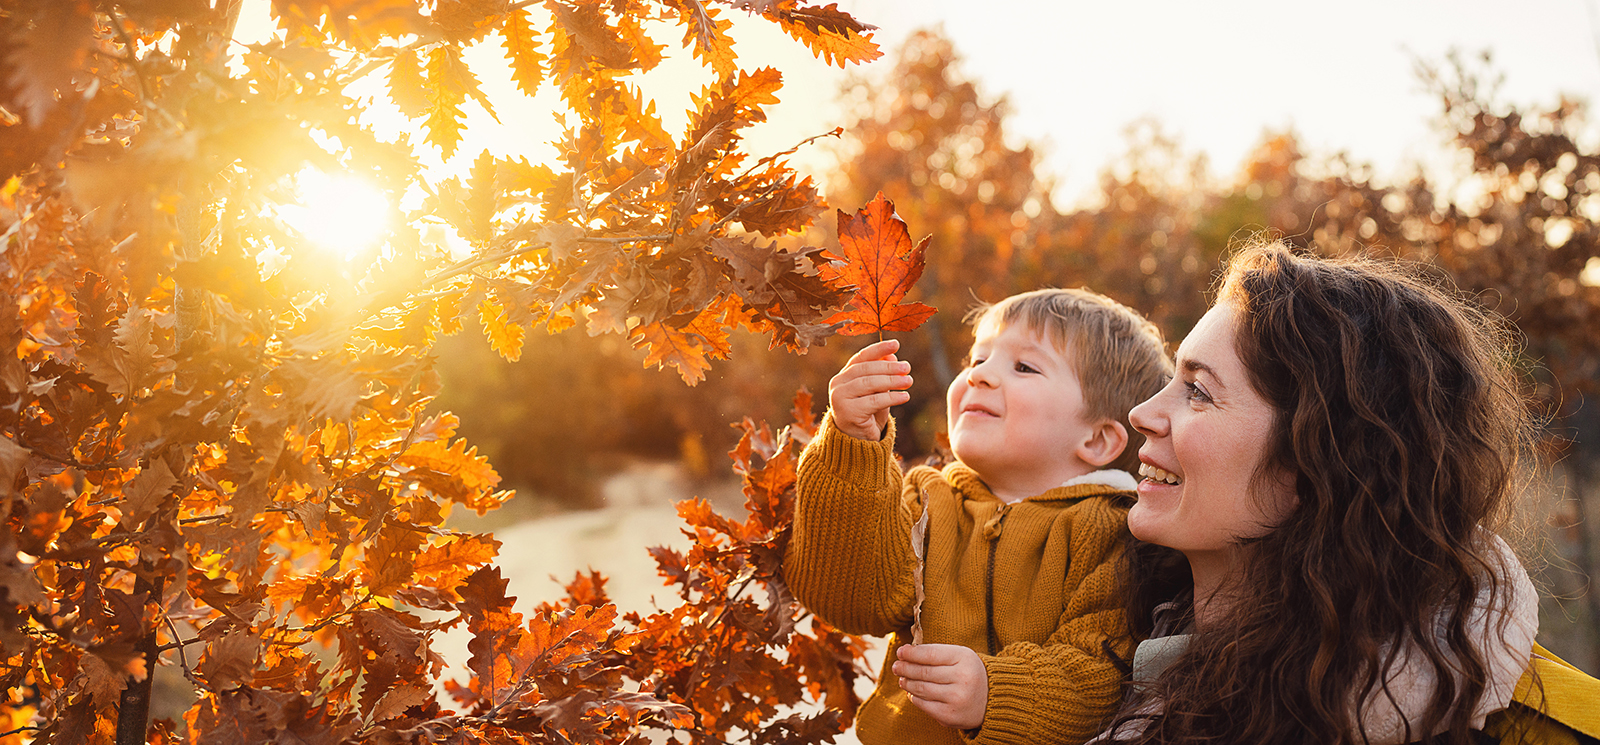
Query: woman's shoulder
[1501, 624]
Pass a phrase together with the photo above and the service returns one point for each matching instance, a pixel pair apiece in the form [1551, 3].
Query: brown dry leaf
[230, 661]
[144, 493]
[104, 684]
[397, 700]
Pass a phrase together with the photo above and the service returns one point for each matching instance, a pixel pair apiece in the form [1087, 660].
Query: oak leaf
[407, 88]
[881, 262]
[41, 62]
[833, 35]
[504, 336]
[397, 700]
[784, 288]
[13, 460]
[450, 81]
[449, 562]
[144, 493]
[389, 563]
[100, 680]
[709, 36]
[494, 626]
[522, 50]
[456, 472]
[691, 348]
[229, 661]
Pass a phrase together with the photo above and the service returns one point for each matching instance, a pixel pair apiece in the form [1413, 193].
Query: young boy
[1024, 636]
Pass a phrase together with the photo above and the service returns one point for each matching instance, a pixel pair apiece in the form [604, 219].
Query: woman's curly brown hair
[1400, 412]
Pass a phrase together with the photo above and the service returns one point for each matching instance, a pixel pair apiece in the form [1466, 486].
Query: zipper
[991, 531]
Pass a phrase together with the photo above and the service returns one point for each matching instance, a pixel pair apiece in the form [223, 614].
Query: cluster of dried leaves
[222, 468]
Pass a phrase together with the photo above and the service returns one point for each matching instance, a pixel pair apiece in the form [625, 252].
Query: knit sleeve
[849, 557]
[1063, 691]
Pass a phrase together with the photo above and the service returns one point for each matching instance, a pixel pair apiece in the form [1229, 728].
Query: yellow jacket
[1030, 586]
[1554, 703]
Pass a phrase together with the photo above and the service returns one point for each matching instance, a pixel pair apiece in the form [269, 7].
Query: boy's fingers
[876, 351]
[870, 384]
[929, 654]
[939, 674]
[927, 691]
[874, 367]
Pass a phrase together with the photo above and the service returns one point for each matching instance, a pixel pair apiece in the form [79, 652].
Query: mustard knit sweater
[1030, 586]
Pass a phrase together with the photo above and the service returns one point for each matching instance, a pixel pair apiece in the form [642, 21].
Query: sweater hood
[1411, 680]
[969, 485]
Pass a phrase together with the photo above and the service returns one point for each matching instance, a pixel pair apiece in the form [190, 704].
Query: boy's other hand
[861, 394]
[947, 681]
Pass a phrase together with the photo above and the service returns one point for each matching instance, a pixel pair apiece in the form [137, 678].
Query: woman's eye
[1195, 393]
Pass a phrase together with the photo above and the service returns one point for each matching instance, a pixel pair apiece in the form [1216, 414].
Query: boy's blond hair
[1120, 357]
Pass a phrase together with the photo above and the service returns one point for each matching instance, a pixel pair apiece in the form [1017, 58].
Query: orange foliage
[214, 450]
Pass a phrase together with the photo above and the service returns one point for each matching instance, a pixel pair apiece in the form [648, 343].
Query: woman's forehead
[1211, 344]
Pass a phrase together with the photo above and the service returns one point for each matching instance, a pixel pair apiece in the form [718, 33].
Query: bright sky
[1216, 74]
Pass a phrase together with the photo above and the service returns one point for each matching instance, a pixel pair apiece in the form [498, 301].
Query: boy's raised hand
[948, 681]
[861, 394]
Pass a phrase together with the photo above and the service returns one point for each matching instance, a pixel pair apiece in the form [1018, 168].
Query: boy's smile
[1016, 412]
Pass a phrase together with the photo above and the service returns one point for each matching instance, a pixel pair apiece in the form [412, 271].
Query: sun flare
[342, 215]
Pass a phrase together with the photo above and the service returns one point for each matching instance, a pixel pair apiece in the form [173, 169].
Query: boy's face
[1017, 413]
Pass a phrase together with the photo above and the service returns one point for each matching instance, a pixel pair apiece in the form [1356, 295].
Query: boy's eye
[1023, 367]
[1195, 393]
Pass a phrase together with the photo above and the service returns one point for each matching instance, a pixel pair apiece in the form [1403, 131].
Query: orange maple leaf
[883, 265]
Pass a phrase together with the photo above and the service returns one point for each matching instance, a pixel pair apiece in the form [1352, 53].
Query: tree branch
[179, 644]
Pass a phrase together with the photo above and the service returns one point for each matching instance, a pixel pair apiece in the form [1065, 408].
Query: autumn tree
[215, 453]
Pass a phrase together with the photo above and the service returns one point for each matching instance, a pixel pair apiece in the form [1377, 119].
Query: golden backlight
[342, 215]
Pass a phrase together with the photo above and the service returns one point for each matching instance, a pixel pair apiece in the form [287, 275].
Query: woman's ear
[1104, 444]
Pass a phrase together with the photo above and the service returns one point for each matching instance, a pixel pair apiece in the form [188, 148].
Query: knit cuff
[861, 463]
[1007, 713]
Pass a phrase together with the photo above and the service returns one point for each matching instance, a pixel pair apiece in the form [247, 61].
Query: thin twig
[178, 644]
[628, 239]
[225, 515]
[324, 623]
[18, 730]
[770, 159]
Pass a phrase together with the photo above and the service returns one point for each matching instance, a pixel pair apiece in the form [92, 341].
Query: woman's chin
[1147, 514]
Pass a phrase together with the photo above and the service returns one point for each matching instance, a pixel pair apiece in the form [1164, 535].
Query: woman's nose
[1148, 418]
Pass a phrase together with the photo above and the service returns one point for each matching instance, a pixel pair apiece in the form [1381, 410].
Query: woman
[1321, 485]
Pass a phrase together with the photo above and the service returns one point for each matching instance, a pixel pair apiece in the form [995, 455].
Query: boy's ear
[1104, 444]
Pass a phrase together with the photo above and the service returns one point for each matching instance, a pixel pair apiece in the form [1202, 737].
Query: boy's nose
[978, 376]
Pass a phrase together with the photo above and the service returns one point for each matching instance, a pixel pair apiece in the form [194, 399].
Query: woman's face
[1207, 435]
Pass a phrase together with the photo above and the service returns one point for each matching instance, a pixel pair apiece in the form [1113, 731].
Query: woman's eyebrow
[1196, 366]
